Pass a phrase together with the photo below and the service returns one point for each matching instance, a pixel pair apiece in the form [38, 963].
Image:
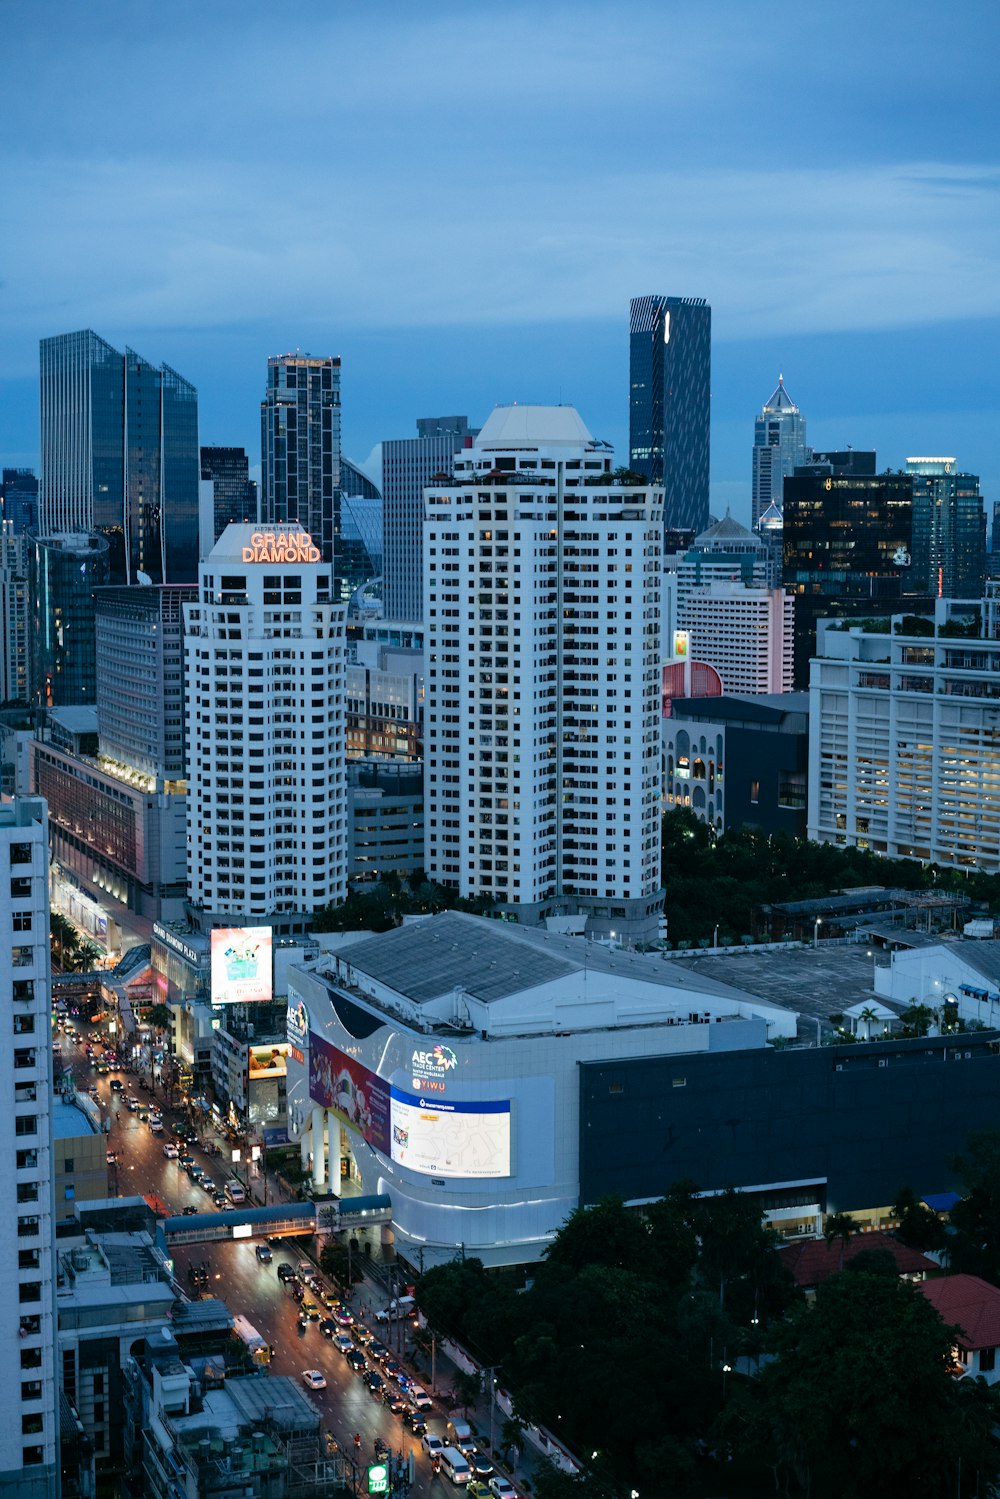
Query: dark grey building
[844, 1126]
[235, 496]
[300, 448]
[739, 761]
[120, 456]
[670, 377]
[408, 464]
[63, 572]
[361, 525]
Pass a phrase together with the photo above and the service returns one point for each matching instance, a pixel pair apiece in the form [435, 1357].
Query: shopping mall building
[442, 1063]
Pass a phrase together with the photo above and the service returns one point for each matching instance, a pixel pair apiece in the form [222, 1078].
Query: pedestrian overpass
[279, 1220]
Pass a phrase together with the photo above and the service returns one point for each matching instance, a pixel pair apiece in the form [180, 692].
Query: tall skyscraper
[63, 572]
[300, 449]
[267, 785]
[670, 375]
[120, 456]
[406, 465]
[779, 447]
[949, 529]
[234, 493]
[542, 596]
[29, 1432]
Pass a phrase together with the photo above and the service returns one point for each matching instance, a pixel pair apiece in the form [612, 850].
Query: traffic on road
[358, 1377]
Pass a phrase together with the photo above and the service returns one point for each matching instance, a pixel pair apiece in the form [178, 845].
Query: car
[132, 1104]
[361, 1335]
[373, 1380]
[416, 1423]
[194, 1171]
[286, 1272]
[219, 1198]
[356, 1359]
[305, 1269]
[477, 1489]
[481, 1465]
[314, 1379]
[111, 1158]
[185, 1159]
[170, 1151]
[103, 1069]
[378, 1350]
[343, 1318]
[343, 1342]
[208, 1185]
[395, 1401]
[156, 1126]
[432, 1444]
[117, 1086]
[309, 1309]
[263, 1253]
[419, 1397]
[502, 1488]
[393, 1369]
[328, 1329]
[189, 1210]
[329, 1298]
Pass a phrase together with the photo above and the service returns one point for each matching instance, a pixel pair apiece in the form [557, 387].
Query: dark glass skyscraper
[235, 493]
[19, 493]
[848, 546]
[670, 376]
[300, 447]
[120, 456]
[63, 573]
[949, 528]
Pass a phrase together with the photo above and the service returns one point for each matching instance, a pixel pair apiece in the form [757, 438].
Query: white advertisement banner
[450, 1139]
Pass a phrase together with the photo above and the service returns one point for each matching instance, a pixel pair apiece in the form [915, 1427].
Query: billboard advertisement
[358, 1096]
[241, 965]
[450, 1139]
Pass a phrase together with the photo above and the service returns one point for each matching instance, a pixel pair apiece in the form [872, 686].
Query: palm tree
[840, 1226]
[869, 1015]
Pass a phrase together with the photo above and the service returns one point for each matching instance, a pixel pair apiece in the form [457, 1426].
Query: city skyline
[842, 223]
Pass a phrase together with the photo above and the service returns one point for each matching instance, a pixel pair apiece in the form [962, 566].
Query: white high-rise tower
[542, 610]
[29, 1436]
[267, 785]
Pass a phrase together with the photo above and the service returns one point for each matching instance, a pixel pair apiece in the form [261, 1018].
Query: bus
[235, 1191]
[251, 1339]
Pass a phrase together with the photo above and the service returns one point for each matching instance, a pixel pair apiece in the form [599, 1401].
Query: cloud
[156, 243]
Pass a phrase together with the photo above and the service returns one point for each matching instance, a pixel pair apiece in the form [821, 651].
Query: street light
[726, 1369]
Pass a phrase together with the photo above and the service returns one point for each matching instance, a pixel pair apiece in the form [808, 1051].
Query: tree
[974, 1245]
[601, 1235]
[468, 1386]
[919, 1227]
[859, 1395]
[840, 1226]
[159, 1017]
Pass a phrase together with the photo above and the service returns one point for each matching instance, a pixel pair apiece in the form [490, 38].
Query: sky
[459, 198]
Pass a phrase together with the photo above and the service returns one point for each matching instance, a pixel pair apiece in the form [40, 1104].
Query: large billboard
[241, 965]
[350, 1090]
[450, 1139]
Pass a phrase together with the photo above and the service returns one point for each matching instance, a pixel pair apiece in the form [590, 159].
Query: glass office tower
[949, 528]
[300, 448]
[234, 492]
[120, 456]
[670, 372]
[63, 573]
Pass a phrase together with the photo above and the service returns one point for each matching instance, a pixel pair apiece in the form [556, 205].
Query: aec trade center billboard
[426, 1134]
[242, 965]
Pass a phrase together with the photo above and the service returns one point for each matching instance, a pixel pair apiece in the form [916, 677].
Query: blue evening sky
[460, 197]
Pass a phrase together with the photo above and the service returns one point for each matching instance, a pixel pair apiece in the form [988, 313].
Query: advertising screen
[241, 965]
[350, 1090]
[450, 1139]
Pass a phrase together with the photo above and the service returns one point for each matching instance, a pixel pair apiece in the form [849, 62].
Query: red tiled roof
[967, 1302]
[813, 1261]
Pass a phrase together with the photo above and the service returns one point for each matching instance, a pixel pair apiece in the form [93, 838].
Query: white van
[454, 1465]
[397, 1310]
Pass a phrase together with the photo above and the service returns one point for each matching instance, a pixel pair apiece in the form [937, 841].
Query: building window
[31, 1455]
[754, 793]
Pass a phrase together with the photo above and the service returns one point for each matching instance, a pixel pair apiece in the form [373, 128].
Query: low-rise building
[385, 806]
[973, 1306]
[79, 1150]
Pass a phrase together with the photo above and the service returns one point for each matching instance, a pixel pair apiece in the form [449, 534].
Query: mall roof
[491, 960]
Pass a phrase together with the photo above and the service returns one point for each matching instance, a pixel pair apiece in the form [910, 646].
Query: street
[249, 1287]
